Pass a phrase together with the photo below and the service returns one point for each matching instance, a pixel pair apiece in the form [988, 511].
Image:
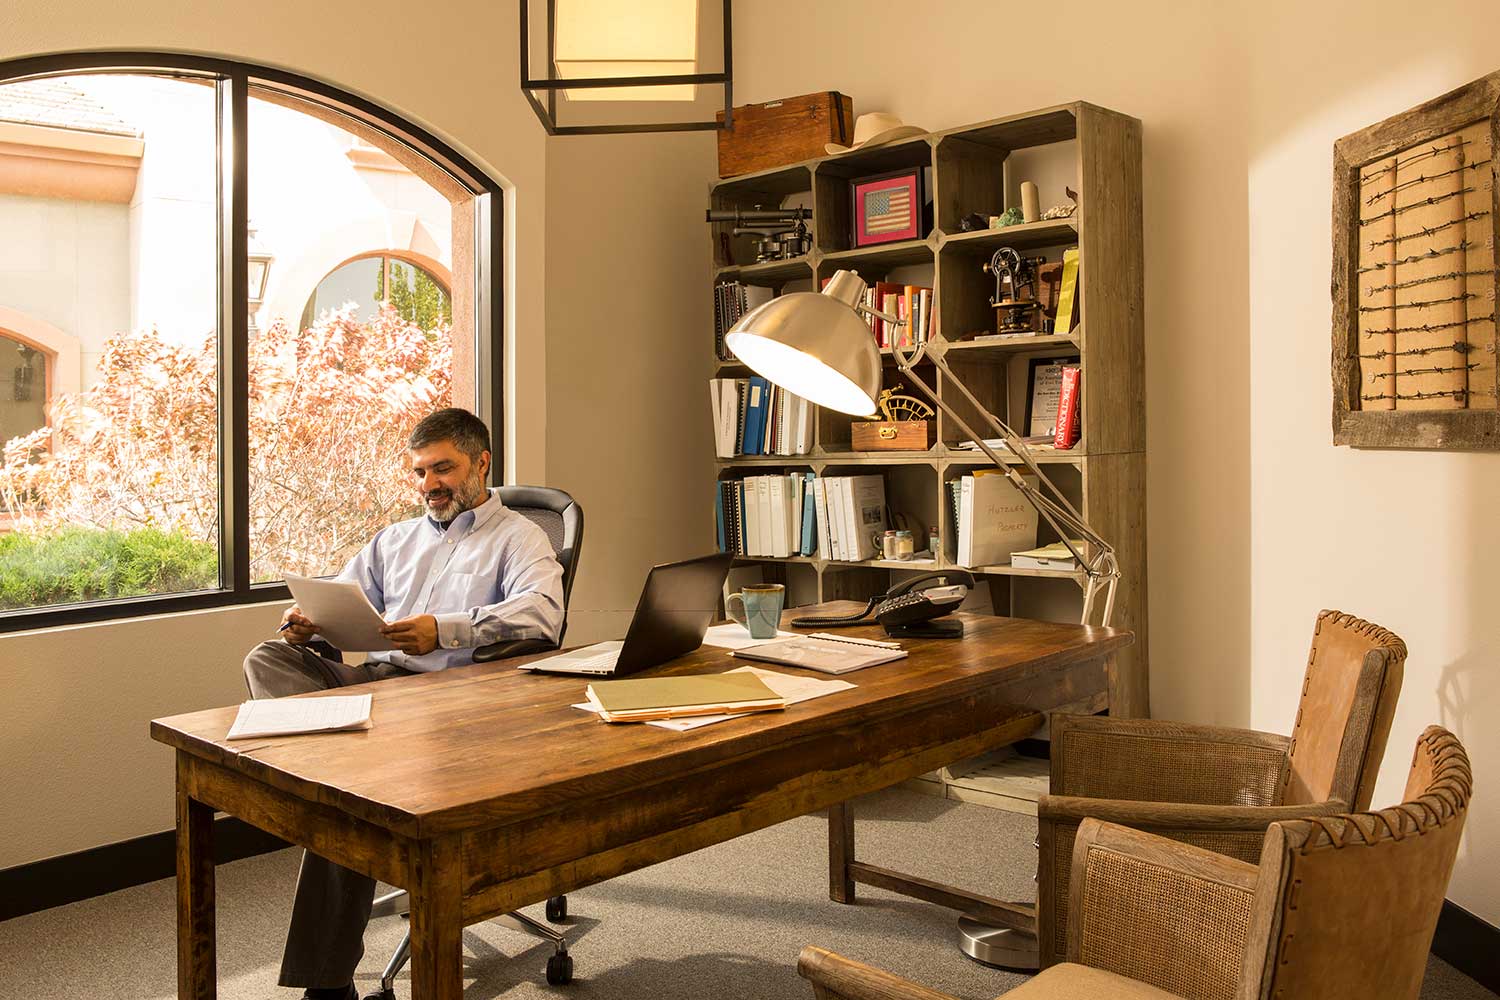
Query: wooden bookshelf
[970, 170]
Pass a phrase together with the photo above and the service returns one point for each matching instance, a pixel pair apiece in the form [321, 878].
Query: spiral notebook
[824, 653]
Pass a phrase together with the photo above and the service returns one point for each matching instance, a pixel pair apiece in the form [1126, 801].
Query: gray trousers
[326, 938]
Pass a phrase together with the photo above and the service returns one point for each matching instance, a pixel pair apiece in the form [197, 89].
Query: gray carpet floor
[725, 923]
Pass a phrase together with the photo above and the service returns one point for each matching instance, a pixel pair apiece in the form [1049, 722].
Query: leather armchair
[1157, 919]
[1220, 788]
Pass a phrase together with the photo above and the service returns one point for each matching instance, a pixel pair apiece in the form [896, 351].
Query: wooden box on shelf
[781, 132]
[890, 435]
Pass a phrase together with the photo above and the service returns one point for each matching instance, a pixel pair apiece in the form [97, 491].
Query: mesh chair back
[560, 517]
[1346, 905]
[1344, 717]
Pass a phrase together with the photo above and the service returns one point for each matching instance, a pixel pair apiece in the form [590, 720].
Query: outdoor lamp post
[259, 260]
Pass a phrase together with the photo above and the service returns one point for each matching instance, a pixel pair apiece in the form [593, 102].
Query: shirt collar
[472, 518]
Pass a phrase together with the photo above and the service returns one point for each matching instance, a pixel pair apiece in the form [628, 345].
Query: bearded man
[467, 573]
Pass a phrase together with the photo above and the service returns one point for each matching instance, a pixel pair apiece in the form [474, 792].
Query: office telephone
[909, 609]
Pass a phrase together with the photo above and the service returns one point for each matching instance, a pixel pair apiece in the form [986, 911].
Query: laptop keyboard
[604, 661]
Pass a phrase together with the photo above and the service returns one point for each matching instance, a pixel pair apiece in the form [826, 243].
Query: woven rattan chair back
[1346, 905]
[1344, 717]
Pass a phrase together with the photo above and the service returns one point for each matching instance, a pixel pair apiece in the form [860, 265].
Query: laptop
[677, 605]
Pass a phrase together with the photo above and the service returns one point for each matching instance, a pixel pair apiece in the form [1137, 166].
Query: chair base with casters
[559, 963]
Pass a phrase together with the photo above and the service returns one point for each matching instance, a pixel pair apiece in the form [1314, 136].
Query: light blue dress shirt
[490, 576]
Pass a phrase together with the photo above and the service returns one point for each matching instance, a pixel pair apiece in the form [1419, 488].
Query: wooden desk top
[479, 746]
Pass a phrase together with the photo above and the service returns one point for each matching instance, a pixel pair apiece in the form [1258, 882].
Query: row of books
[911, 303]
[756, 417]
[732, 300]
[800, 514]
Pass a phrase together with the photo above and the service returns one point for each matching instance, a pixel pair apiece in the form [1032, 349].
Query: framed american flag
[887, 207]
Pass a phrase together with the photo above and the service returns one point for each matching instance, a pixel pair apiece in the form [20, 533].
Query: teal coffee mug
[760, 608]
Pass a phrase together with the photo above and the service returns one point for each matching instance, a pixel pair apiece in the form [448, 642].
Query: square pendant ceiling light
[626, 65]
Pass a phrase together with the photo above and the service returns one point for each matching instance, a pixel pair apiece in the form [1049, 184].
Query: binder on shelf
[809, 517]
[820, 511]
[995, 519]
[776, 493]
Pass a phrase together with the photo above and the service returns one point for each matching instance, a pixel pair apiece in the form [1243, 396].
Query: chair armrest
[1154, 761]
[1165, 818]
[1168, 914]
[835, 977]
[507, 648]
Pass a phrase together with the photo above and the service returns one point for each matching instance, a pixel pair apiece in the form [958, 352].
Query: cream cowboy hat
[875, 128]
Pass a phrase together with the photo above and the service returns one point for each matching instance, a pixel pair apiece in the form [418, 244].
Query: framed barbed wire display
[1414, 277]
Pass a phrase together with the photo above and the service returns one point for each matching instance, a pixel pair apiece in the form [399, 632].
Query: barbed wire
[1424, 178]
[1432, 151]
[1423, 304]
[1411, 282]
[1429, 230]
[1434, 200]
[1413, 258]
[1458, 347]
[1440, 370]
[1429, 327]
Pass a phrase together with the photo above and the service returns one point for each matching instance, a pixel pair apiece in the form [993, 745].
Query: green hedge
[83, 564]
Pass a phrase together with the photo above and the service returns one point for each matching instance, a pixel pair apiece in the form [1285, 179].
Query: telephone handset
[906, 610]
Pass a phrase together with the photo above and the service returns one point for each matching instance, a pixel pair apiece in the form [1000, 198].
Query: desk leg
[437, 953]
[197, 964]
[841, 852]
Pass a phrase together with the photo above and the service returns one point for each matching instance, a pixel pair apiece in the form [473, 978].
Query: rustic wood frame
[1437, 429]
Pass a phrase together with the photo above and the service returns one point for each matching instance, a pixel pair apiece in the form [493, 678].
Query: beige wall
[78, 769]
[1255, 520]
[1404, 538]
[629, 352]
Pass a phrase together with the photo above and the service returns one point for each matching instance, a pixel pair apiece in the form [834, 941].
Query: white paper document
[734, 636]
[344, 615]
[287, 716]
[792, 688]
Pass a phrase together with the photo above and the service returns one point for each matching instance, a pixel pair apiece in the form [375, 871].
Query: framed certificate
[1043, 389]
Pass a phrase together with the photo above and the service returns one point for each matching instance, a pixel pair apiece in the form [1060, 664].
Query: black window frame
[233, 81]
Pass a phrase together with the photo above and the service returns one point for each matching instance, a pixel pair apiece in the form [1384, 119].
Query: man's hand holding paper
[414, 636]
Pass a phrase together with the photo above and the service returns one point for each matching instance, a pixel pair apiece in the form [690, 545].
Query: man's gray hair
[466, 431]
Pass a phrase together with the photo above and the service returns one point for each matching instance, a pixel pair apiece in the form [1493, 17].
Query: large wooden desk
[480, 790]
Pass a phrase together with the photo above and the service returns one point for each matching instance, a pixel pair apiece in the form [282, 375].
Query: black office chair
[561, 518]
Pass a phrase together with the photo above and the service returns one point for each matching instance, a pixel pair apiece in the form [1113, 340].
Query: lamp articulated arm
[1101, 570]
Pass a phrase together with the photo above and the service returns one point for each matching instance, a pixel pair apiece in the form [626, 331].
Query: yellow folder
[643, 699]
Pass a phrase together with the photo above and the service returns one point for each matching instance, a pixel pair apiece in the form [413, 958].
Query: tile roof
[58, 104]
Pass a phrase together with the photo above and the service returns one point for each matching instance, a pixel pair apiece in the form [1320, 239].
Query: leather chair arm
[1155, 761]
[835, 977]
[1158, 911]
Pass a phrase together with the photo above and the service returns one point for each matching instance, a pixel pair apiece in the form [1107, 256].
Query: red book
[1067, 409]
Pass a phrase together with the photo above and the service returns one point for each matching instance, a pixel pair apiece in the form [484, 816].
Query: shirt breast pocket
[461, 591]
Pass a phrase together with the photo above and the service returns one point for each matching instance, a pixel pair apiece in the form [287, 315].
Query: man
[467, 573]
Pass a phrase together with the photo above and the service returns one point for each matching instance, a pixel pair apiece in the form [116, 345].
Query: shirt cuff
[454, 630]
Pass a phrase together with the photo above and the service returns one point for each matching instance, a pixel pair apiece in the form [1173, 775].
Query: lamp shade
[814, 345]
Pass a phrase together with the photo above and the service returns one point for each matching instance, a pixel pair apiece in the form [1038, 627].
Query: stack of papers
[1054, 556]
[824, 653]
[288, 716]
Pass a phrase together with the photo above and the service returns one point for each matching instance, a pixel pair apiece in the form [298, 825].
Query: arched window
[193, 379]
[414, 290]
